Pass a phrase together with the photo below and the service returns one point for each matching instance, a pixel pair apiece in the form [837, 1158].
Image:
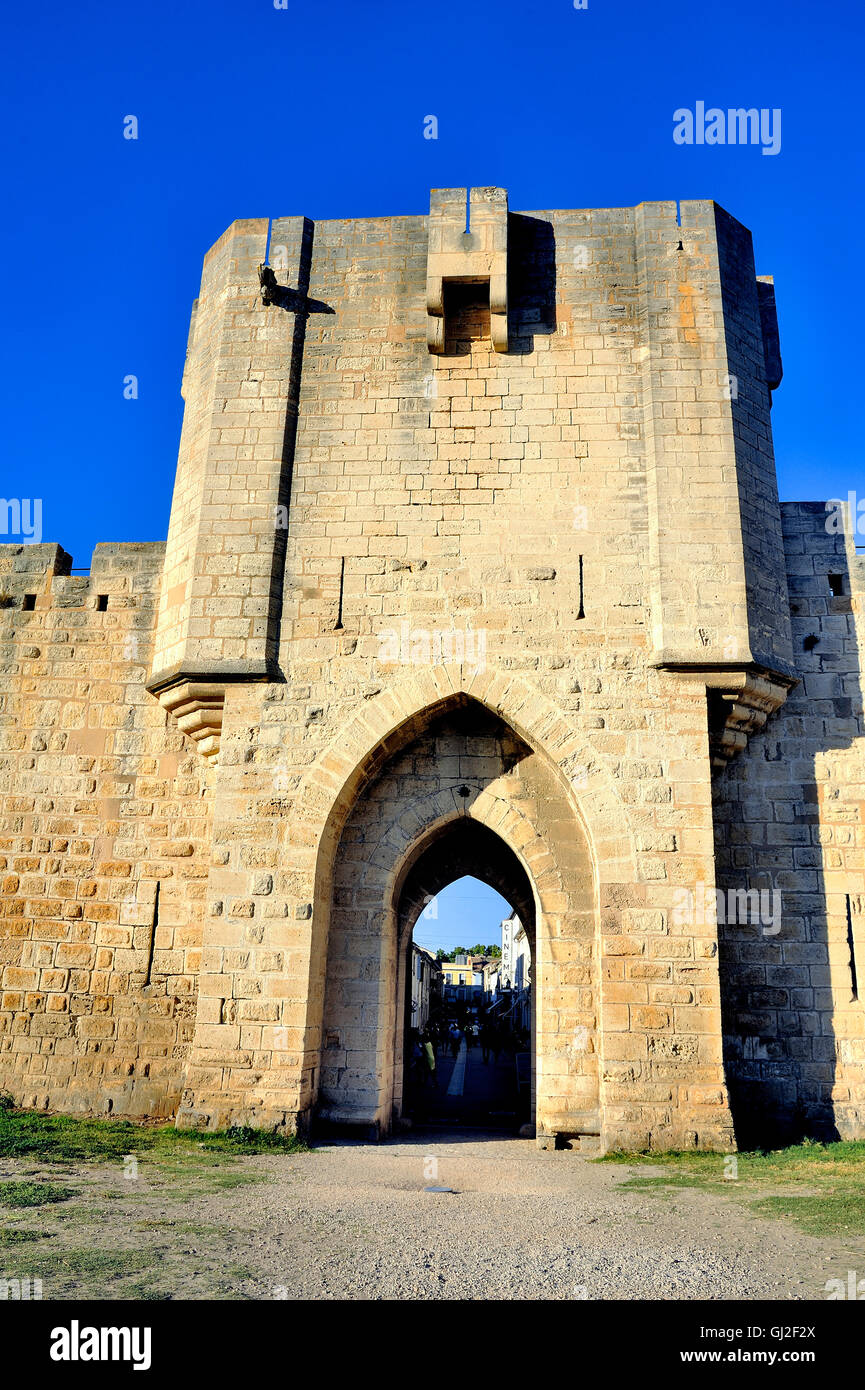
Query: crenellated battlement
[42, 576]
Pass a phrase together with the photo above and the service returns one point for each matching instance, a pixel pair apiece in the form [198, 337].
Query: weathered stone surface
[508, 605]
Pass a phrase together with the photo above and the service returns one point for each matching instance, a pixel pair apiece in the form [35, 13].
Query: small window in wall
[836, 584]
[101, 603]
[29, 603]
[467, 315]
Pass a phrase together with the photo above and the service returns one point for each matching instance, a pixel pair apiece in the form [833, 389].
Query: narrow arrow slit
[154, 924]
[338, 624]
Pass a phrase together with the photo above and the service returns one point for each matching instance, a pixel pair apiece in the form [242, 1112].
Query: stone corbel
[478, 256]
[740, 702]
[197, 707]
[195, 696]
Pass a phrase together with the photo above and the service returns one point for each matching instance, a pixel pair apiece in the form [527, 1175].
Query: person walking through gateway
[429, 1054]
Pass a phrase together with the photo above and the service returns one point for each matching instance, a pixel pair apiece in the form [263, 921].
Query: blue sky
[466, 913]
[246, 110]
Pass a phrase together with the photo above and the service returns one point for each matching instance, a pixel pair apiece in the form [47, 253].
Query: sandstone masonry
[475, 564]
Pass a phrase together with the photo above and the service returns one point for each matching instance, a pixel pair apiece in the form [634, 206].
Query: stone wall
[789, 819]
[101, 801]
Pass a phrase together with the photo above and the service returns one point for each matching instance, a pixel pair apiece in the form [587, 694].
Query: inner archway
[467, 1039]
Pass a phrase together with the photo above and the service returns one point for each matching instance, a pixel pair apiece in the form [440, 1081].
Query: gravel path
[355, 1221]
[359, 1221]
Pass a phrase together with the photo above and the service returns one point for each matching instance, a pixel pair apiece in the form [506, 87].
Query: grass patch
[33, 1194]
[91, 1264]
[132, 1274]
[803, 1159]
[175, 1167]
[829, 1214]
[67, 1139]
[184, 1184]
[10, 1236]
[664, 1182]
[830, 1179]
[240, 1139]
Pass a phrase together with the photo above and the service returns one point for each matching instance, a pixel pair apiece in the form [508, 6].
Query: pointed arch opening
[465, 1041]
[463, 793]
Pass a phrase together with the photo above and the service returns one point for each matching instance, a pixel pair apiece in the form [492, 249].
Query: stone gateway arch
[476, 564]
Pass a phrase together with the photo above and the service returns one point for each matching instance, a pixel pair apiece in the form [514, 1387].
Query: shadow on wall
[785, 822]
[531, 281]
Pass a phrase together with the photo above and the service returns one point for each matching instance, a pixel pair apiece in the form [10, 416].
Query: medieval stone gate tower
[476, 562]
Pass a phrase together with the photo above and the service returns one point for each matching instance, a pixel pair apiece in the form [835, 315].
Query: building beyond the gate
[475, 565]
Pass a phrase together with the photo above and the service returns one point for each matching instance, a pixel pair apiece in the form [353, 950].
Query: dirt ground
[358, 1221]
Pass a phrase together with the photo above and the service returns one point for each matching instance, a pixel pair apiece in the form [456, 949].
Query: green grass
[823, 1184]
[60, 1263]
[33, 1194]
[69, 1251]
[829, 1214]
[10, 1235]
[664, 1182]
[123, 1274]
[809, 1153]
[195, 1176]
[66, 1139]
